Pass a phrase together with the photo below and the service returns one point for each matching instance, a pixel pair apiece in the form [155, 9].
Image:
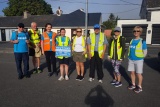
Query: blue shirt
[21, 46]
[132, 47]
[97, 41]
[63, 38]
[50, 36]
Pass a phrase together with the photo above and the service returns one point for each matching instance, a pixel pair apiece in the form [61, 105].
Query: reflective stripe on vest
[34, 36]
[46, 42]
[100, 44]
[119, 48]
[83, 43]
[60, 43]
[138, 50]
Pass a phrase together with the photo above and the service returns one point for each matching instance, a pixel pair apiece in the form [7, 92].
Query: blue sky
[125, 9]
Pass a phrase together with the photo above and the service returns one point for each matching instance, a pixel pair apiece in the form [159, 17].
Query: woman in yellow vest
[137, 52]
[63, 40]
[116, 54]
[48, 48]
[79, 51]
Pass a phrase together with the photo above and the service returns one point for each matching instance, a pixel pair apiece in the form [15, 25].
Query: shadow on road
[97, 97]
[110, 69]
[153, 63]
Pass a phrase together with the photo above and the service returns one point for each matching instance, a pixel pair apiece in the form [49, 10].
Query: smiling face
[63, 32]
[48, 28]
[137, 31]
[34, 26]
[96, 31]
[117, 33]
[79, 32]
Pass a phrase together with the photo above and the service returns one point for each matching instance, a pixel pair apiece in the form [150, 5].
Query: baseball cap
[117, 29]
[96, 26]
[21, 25]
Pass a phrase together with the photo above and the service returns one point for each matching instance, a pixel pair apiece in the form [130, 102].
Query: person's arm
[123, 43]
[104, 46]
[42, 40]
[14, 39]
[144, 47]
[89, 47]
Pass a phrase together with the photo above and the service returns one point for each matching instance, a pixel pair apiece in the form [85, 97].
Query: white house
[150, 22]
[68, 21]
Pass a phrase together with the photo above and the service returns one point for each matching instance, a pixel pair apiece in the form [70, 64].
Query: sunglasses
[136, 31]
[79, 31]
[116, 31]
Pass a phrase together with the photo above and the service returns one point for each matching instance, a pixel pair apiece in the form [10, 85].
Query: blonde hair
[79, 28]
[138, 28]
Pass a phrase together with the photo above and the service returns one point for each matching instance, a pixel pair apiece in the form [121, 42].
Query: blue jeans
[19, 57]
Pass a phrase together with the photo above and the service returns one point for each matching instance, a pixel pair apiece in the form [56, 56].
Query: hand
[109, 58]
[15, 41]
[90, 55]
[42, 52]
[84, 53]
[27, 41]
[121, 60]
[103, 55]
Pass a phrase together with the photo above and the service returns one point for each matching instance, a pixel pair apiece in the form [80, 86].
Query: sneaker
[90, 79]
[113, 82]
[66, 77]
[78, 77]
[118, 84]
[100, 81]
[131, 87]
[34, 71]
[81, 78]
[61, 78]
[38, 70]
[20, 77]
[138, 89]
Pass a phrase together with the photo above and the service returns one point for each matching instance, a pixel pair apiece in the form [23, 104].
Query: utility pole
[86, 19]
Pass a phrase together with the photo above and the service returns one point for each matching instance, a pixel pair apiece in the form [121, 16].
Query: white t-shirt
[78, 44]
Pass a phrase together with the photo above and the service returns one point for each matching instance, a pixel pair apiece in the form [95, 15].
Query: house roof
[152, 3]
[74, 19]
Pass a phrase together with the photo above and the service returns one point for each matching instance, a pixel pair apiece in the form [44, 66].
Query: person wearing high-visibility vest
[48, 46]
[136, 54]
[79, 51]
[116, 52]
[97, 44]
[35, 47]
[63, 40]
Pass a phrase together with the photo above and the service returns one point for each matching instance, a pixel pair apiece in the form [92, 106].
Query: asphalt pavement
[43, 91]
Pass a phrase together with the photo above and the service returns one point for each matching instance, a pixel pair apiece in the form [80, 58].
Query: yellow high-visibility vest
[100, 44]
[34, 36]
[119, 48]
[60, 43]
[138, 51]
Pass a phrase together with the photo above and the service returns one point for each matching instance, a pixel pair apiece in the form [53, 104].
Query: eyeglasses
[79, 31]
[136, 31]
[116, 31]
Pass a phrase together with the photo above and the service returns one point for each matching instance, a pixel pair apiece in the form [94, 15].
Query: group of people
[94, 47]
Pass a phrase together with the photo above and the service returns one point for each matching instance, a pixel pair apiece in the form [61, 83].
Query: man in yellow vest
[116, 53]
[34, 48]
[97, 43]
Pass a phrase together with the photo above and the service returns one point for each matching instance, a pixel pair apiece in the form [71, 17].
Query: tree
[111, 22]
[34, 7]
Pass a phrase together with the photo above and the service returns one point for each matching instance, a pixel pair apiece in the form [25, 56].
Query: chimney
[26, 14]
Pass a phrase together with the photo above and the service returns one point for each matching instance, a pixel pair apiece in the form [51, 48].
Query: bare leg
[66, 69]
[133, 77]
[78, 67]
[82, 68]
[61, 69]
[140, 78]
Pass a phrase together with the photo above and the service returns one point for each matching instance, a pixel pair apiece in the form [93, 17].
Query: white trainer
[66, 77]
[90, 79]
[61, 78]
[100, 81]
